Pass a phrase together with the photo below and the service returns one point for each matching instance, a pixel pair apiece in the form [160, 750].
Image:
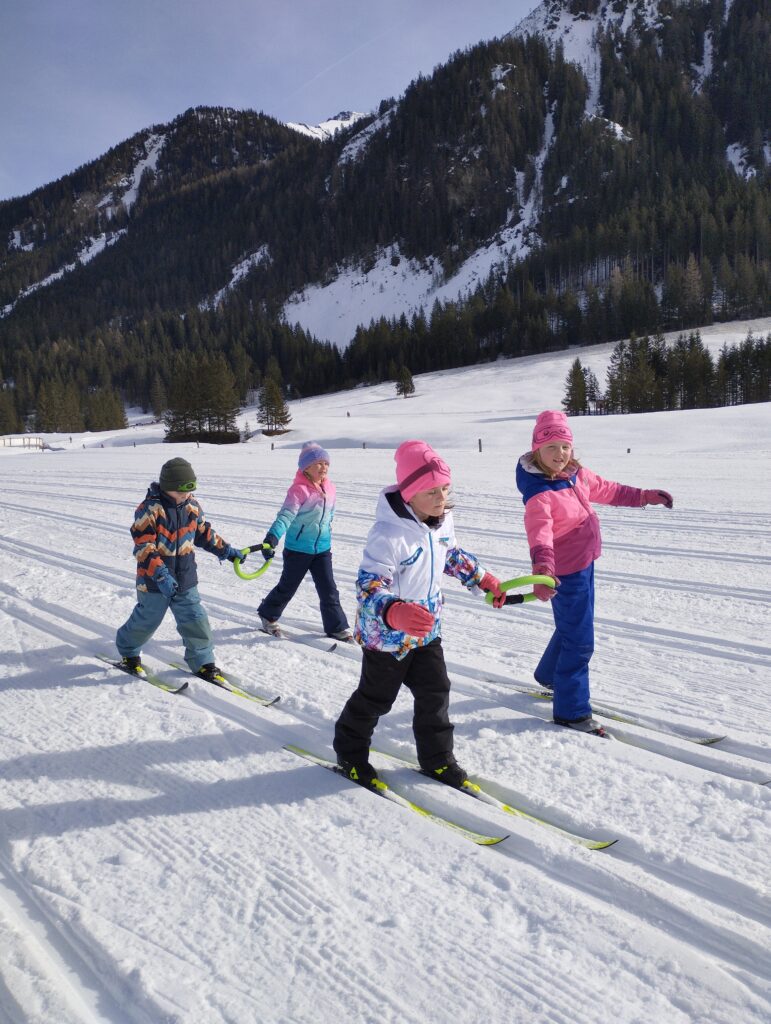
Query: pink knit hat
[419, 468]
[551, 428]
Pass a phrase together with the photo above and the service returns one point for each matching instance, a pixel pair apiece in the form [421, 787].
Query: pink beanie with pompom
[551, 427]
[419, 468]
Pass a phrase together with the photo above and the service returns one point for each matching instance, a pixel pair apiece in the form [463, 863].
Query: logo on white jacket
[413, 558]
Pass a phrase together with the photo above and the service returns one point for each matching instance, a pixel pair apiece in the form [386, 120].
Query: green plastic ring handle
[251, 575]
[523, 581]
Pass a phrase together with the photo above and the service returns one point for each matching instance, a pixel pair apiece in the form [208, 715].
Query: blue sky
[77, 77]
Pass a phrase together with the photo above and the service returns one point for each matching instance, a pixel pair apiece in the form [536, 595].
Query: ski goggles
[191, 486]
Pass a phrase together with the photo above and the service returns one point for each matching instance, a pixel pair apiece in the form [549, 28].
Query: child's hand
[165, 582]
[232, 554]
[541, 591]
[491, 585]
[657, 497]
[409, 617]
[269, 546]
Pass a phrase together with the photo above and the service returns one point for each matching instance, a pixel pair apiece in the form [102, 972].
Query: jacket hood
[531, 480]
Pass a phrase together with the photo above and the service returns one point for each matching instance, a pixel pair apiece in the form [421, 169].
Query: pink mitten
[541, 591]
[491, 585]
[409, 618]
[657, 497]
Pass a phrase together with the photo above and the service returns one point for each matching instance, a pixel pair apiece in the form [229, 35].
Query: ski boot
[360, 772]
[271, 627]
[450, 774]
[210, 673]
[132, 665]
[587, 724]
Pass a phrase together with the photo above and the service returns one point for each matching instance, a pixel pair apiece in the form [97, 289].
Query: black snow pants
[424, 672]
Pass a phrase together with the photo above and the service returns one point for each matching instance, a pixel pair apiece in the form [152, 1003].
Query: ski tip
[710, 741]
[490, 840]
[601, 844]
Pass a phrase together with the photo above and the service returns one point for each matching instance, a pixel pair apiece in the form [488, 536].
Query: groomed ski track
[163, 859]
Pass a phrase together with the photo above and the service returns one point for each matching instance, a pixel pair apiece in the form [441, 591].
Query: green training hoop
[251, 575]
[522, 581]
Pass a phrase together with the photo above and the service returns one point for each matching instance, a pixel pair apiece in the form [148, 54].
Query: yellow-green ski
[381, 788]
[473, 789]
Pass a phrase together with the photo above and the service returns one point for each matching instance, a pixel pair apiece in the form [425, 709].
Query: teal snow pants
[192, 625]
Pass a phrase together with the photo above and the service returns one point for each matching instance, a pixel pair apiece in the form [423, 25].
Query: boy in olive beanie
[168, 526]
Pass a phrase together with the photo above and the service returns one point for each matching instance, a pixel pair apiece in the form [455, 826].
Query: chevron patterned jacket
[167, 534]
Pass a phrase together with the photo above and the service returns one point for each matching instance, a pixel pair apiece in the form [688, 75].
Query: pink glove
[657, 497]
[491, 585]
[541, 591]
[409, 618]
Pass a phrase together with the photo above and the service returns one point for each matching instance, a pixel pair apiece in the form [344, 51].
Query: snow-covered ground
[164, 859]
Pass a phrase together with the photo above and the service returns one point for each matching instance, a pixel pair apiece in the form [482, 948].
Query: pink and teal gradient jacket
[563, 530]
[306, 516]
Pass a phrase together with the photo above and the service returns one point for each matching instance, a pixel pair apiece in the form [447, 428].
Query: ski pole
[248, 551]
[521, 581]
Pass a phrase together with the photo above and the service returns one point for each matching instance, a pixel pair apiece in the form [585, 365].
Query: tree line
[648, 375]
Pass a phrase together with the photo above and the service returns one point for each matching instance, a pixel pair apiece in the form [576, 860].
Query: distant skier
[168, 526]
[306, 519]
[411, 545]
[563, 532]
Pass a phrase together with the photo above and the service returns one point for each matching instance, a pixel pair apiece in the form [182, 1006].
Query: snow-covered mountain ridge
[510, 169]
[329, 128]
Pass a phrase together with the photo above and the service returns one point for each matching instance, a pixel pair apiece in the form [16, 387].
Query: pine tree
[272, 409]
[159, 402]
[574, 402]
[404, 383]
[10, 423]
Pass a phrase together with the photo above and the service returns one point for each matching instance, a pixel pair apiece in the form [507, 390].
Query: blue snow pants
[565, 662]
[296, 565]
[192, 625]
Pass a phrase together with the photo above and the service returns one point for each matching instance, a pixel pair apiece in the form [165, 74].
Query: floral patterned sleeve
[463, 566]
[373, 593]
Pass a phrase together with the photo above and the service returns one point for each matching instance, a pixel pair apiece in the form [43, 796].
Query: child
[410, 546]
[564, 537]
[167, 527]
[306, 519]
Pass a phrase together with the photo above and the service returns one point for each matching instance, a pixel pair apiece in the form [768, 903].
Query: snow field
[163, 858]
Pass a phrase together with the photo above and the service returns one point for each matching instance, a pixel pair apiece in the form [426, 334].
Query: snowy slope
[163, 859]
[329, 128]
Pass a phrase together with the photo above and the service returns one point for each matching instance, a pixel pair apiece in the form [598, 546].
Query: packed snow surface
[164, 859]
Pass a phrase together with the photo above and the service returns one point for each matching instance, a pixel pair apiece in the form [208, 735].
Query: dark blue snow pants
[565, 662]
[296, 565]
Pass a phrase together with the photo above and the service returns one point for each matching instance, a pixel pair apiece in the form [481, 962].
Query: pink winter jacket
[563, 530]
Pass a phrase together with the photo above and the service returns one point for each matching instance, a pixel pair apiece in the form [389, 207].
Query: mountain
[329, 128]
[602, 169]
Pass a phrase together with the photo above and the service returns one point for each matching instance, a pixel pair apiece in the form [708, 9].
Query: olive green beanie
[177, 475]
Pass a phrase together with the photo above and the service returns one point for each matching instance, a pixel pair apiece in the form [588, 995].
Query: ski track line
[752, 526]
[741, 960]
[357, 540]
[160, 950]
[297, 904]
[39, 955]
[697, 758]
[688, 925]
[712, 647]
[91, 986]
[689, 697]
[743, 952]
[745, 959]
[703, 758]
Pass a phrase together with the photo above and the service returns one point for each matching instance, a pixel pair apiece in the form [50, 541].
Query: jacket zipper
[323, 510]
